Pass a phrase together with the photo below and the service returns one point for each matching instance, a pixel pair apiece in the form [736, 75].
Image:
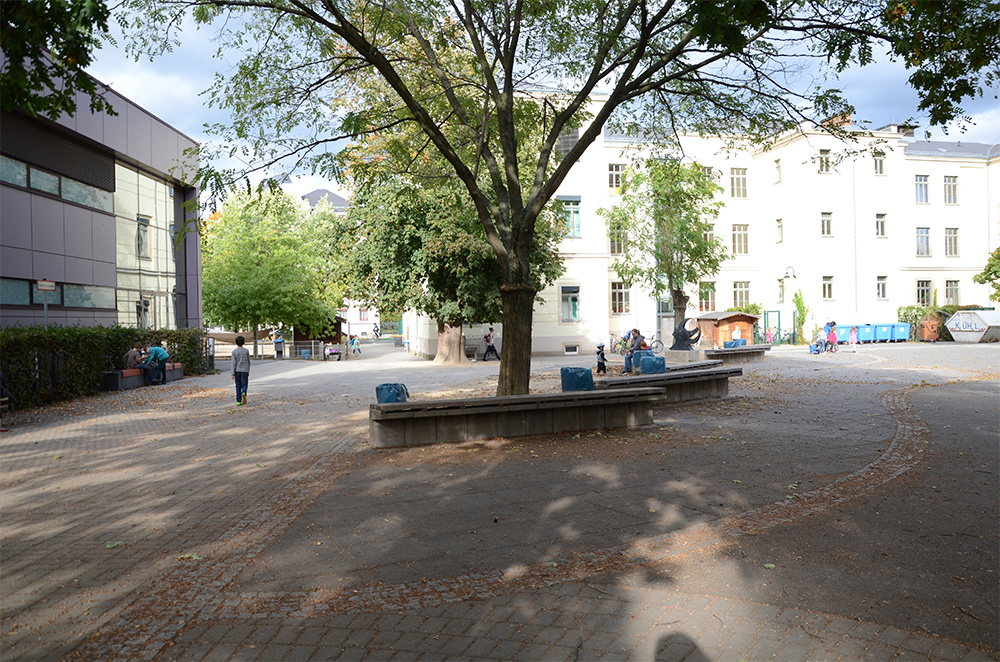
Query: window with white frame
[923, 241]
[709, 234]
[777, 170]
[951, 190]
[826, 224]
[615, 171]
[781, 290]
[741, 293]
[619, 298]
[570, 298]
[951, 293]
[741, 238]
[882, 287]
[951, 242]
[824, 161]
[827, 288]
[879, 158]
[142, 238]
[880, 225]
[923, 293]
[363, 315]
[922, 196]
[616, 240]
[709, 172]
[706, 296]
[781, 231]
[738, 182]
[572, 211]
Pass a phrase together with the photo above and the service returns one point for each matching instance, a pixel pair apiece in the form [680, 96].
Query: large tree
[464, 71]
[665, 217]
[419, 246]
[261, 265]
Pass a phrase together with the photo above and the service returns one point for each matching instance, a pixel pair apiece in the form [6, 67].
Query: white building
[860, 228]
[864, 228]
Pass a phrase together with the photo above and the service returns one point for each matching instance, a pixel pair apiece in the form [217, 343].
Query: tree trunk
[680, 307]
[515, 361]
[451, 344]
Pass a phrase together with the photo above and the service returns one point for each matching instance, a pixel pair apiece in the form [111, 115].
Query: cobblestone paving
[127, 520]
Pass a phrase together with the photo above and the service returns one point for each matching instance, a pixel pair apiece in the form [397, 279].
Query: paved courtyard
[837, 507]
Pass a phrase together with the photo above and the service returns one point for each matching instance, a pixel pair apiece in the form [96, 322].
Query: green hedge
[44, 365]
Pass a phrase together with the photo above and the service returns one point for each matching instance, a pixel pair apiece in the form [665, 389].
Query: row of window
[738, 179]
[14, 292]
[741, 292]
[21, 174]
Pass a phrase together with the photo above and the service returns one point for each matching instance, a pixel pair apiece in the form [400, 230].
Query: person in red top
[831, 339]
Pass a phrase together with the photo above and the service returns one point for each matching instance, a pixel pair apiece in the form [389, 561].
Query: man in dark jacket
[637, 341]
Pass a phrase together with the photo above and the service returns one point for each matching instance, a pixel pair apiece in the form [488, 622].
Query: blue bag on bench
[577, 379]
[651, 365]
[391, 393]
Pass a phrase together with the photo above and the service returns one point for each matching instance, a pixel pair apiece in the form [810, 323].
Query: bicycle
[618, 344]
[655, 345]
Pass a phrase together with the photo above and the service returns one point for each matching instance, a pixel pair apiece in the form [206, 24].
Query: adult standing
[158, 360]
[241, 370]
[490, 347]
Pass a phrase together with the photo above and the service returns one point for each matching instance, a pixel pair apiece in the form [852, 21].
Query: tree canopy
[47, 47]
[990, 275]
[263, 265]
[665, 217]
[467, 73]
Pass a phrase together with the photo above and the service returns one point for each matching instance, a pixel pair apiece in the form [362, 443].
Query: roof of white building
[338, 203]
[951, 149]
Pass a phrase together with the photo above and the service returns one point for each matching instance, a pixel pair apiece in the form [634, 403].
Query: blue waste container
[391, 393]
[651, 365]
[883, 332]
[900, 332]
[844, 333]
[305, 354]
[577, 379]
[866, 333]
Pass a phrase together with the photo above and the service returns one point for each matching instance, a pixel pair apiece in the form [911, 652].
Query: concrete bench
[745, 354]
[420, 422]
[679, 384]
[121, 380]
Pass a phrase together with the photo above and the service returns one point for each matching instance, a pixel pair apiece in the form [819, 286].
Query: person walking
[490, 347]
[854, 339]
[241, 370]
[602, 365]
[157, 360]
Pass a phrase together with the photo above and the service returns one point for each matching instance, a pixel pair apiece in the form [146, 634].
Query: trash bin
[866, 333]
[397, 341]
[391, 393]
[305, 354]
[279, 348]
[883, 332]
[844, 333]
[651, 365]
[900, 332]
[577, 379]
[929, 330]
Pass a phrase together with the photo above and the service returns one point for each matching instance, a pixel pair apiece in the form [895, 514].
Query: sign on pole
[46, 285]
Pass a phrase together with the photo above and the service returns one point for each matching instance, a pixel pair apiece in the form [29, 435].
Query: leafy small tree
[665, 214]
[801, 311]
[990, 275]
[261, 265]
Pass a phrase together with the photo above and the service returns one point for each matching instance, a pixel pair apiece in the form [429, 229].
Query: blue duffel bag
[577, 379]
[391, 393]
[651, 365]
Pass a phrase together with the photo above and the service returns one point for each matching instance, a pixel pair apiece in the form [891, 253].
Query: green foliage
[267, 262]
[801, 310]
[665, 213]
[750, 309]
[44, 365]
[990, 275]
[47, 47]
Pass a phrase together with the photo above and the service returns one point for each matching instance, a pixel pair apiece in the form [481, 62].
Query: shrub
[51, 364]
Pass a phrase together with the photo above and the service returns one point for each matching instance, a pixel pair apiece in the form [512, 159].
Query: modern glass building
[93, 220]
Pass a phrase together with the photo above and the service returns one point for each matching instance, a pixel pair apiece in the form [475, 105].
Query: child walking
[602, 366]
[854, 339]
[241, 370]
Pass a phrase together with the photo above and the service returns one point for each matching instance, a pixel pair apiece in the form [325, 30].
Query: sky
[171, 88]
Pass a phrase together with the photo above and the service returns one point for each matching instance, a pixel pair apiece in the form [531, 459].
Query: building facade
[97, 226]
[860, 228]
